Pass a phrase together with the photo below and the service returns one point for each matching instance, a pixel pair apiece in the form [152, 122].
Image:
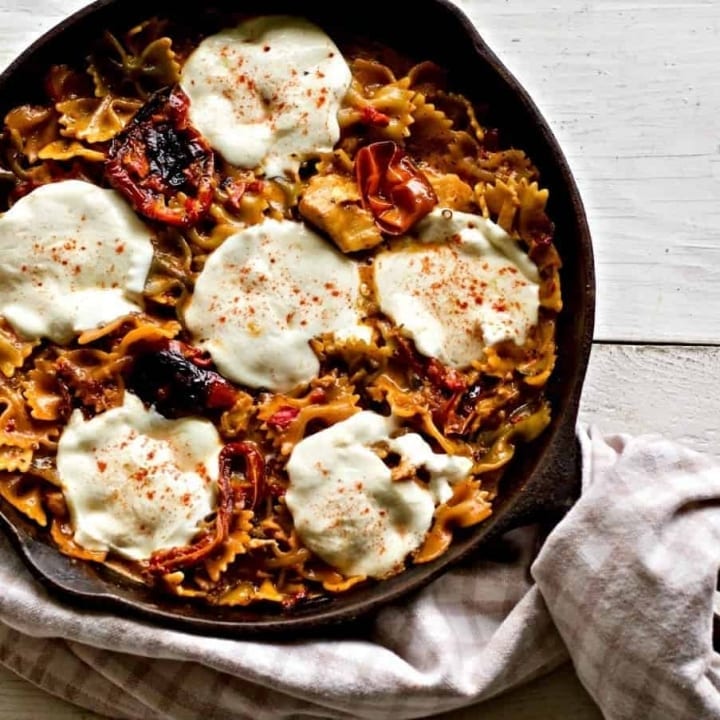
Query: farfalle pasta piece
[64, 149]
[20, 435]
[506, 165]
[236, 544]
[460, 111]
[414, 406]
[287, 436]
[525, 423]
[377, 101]
[431, 125]
[171, 273]
[63, 82]
[451, 190]
[123, 71]
[173, 583]
[427, 77]
[537, 368]
[131, 328]
[514, 205]
[62, 534]
[371, 74]
[468, 506]
[14, 351]
[43, 394]
[331, 580]
[31, 128]
[246, 592]
[498, 202]
[93, 376]
[24, 495]
[95, 120]
[533, 201]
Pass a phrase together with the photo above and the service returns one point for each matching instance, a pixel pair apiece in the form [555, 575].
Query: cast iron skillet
[542, 480]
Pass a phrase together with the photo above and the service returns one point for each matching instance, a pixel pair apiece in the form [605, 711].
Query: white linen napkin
[625, 584]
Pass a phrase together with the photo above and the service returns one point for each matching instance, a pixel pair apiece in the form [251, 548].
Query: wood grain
[670, 390]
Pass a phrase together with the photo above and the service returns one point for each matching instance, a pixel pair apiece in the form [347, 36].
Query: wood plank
[629, 88]
[653, 389]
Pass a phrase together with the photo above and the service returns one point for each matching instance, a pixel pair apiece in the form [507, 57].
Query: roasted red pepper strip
[392, 187]
[161, 163]
[254, 486]
[166, 561]
[230, 494]
[444, 376]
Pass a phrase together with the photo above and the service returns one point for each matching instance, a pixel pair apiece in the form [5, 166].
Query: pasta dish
[277, 309]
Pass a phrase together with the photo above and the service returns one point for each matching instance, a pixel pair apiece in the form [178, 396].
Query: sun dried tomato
[165, 561]
[174, 377]
[392, 187]
[371, 116]
[161, 163]
[440, 376]
[245, 493]
[248, 491]
[444, 376]
[283, 417]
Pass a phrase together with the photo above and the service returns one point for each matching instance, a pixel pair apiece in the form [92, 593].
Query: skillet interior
[541, 480]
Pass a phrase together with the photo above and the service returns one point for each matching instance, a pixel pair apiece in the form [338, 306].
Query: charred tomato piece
[174, 378]
[161, 163]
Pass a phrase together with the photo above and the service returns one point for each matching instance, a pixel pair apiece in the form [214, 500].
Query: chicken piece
[332, 203]
[452, 192]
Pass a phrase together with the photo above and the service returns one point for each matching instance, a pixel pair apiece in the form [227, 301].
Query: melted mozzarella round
[72, 257]
[345, 504]
[466, 286]
[263, 294]
[266, 94]
[136, 482]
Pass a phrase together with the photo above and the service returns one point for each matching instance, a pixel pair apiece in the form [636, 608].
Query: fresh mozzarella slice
[136, 482]
[346, 506]
[266, 94]
[72, 257]
[466, 286]
[263, 294]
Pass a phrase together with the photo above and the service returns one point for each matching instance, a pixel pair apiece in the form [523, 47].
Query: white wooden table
[632, 90]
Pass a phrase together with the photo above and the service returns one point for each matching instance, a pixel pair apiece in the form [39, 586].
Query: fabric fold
[633, 600]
